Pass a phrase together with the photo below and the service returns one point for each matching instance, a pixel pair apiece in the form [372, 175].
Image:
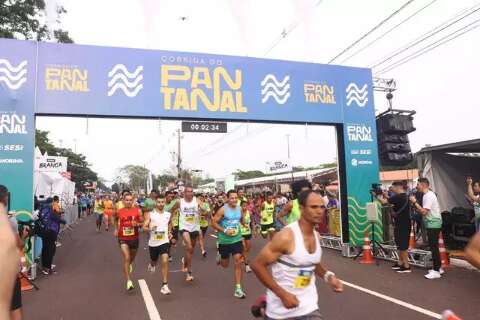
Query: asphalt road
[89, 285]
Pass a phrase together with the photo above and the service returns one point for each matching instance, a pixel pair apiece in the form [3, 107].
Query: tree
[136, 176]
[163, 180]
[43, 143]
[25, 19]
[79, 167]
[116, 188]
[242, 175]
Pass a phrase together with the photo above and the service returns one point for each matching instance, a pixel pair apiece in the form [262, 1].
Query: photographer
[402, 223]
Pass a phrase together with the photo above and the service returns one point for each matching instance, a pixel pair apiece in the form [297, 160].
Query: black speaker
[395, 123]
[393, 142]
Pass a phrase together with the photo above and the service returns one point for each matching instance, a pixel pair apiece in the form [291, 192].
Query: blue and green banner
[77, 80]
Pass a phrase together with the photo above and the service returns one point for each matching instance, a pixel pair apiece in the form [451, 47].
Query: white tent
[49, 184]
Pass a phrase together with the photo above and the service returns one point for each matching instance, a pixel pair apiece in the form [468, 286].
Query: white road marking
[396, 301]
[147, 297]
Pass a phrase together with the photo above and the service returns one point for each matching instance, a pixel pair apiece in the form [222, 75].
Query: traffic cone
[443, 251]
[24, 284]
[449, 315]
[367, 257]
[411, 242]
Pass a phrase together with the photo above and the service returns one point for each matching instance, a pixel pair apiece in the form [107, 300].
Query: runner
[128, 221]
[204, 214]
[158, 222]
[246, 231]
[83, 205]
[107, 211]
[98, 208]
[267, 217]
[294, 256]
[291, 211]
[189, 226]
[227, 222]
[169, 206]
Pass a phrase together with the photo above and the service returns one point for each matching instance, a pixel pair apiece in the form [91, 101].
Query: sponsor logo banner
[279, 166]
[51, 164]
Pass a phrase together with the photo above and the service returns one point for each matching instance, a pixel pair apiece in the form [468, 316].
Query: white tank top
[159, 235]
[296, 274]
[189, 217]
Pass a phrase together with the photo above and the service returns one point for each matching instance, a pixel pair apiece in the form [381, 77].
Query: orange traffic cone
[367, 257]
[411, 242]
[449, 315]
[24, 284]
[443, 251]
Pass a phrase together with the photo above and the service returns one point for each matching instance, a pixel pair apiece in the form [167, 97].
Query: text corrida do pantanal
[184, 88]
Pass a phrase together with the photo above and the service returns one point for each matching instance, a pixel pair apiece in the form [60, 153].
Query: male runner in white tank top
[294, 255]
[159, 223]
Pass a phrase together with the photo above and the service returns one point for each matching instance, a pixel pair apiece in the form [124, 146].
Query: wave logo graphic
[358, 222]
[122, 79]
[357, 95]
[13, 76]
[278, 90]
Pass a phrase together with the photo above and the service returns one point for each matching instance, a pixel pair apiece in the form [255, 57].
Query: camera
[376, 189]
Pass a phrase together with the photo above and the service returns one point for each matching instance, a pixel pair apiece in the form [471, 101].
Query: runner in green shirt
[204, 215]
[246, 231]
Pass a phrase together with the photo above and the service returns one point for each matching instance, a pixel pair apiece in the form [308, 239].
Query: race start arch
[74, 80]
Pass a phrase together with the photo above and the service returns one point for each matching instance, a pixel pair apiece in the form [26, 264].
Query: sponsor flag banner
[51, 164]
[279, 166]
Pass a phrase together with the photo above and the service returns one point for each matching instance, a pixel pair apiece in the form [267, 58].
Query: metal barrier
[416, 257]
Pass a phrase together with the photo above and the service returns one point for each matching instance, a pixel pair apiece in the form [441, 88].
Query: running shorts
[204, 230]
[315, 315]
[226, 250]
[402, 236]
[247, 236]
[132, 244]
[157, 251]
[17, 296]
[193, 235]
[267, 227]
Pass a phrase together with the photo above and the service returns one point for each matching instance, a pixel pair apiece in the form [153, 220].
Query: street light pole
[288, 153]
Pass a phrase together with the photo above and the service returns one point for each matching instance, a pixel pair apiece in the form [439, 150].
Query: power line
[287, 31]
[428, 34]
[432, 46]
[372, 30]
[387, 32]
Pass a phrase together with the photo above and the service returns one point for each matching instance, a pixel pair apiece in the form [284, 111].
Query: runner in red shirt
[129, 219]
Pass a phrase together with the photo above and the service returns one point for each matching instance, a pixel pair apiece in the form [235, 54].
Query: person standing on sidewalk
[430, 210]
[294, 255]
[473, 192]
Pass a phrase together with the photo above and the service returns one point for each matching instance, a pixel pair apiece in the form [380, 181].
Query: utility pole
[288, 153]
[179, 154]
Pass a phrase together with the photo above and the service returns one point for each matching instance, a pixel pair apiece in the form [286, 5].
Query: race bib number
[159, 236]
[303, 279]
[190, 219]
[234, 233]
[128, 231]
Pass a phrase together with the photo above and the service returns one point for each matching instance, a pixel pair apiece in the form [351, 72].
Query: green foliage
[243, 175]
[23, 19]
[163, 180]
[135, 176]
[43, 143]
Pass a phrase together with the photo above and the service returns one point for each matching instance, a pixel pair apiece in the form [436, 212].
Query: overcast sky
[440, 85]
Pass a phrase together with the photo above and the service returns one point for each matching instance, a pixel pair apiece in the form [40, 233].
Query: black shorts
[157, 251]
[247, 236]
[193, 235]
[226, 250]
[132, 244]
[204, 230]
[17, 296]
[267, 227]
[402, 236]
[175, 233]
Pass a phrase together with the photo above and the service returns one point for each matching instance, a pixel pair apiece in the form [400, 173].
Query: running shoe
[248, 269]
[204, 254]
[58, 244]
[46, 271]
[404, 270]
[396, 266]
[151, 268]
[165, 289]
[218, 258]
[239, 293]
[442, 271]
[170, 259]
[432, 274]
[189, 277]
[130, 285]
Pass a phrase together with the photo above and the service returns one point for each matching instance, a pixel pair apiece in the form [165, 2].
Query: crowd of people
[287, 265]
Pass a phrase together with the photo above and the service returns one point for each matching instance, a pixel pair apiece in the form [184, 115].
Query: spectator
[51, 227]
[11, 246]
[473, 192]
[472, 252]
[332, 201]
[430, 210]
[402, 223]
[57, 208]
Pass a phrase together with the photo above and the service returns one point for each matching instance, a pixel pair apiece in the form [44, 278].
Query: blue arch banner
[76, 80]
